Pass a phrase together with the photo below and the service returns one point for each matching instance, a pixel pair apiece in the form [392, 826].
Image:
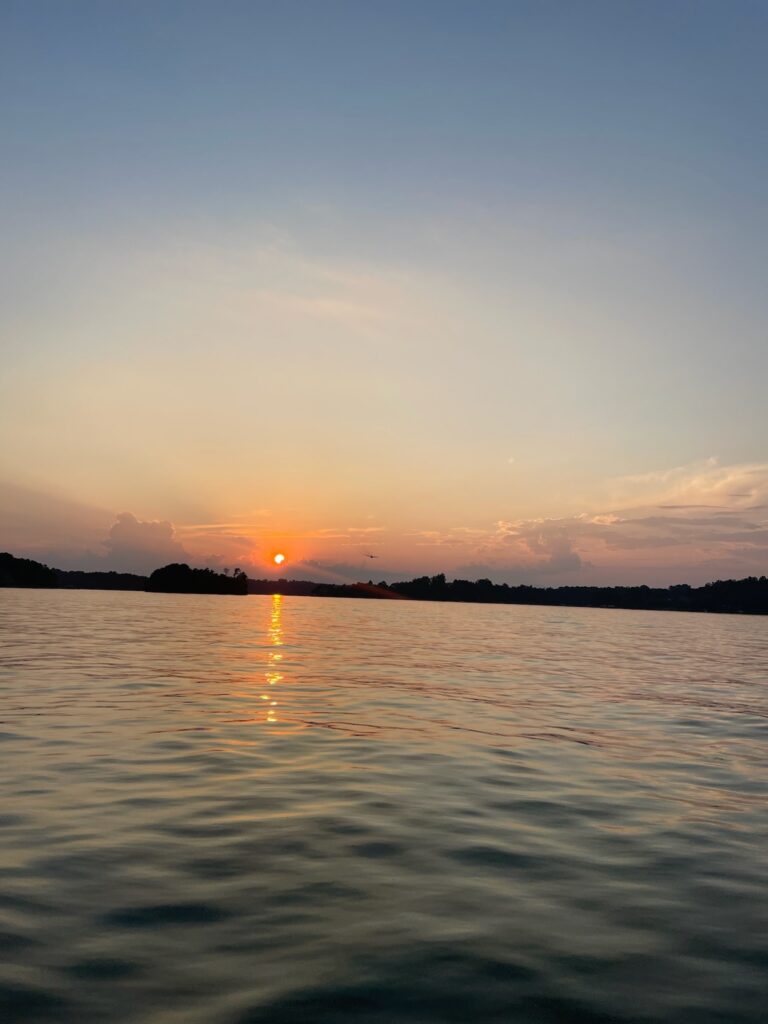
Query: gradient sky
[475, 287]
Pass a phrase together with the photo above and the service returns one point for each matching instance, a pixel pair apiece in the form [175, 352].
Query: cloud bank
[686, 524]
[690, 523]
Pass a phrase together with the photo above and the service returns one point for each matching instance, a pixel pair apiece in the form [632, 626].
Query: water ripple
[226, 811]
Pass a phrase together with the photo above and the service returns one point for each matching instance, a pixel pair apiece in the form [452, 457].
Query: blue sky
[424, 267]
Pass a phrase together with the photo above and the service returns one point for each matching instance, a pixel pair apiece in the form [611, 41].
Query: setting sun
[278, 559]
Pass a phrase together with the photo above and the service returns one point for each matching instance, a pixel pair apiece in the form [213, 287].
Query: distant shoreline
[421, 600]
[747, 596]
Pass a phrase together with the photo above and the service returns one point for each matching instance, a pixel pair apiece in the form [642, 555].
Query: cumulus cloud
[72, 535]
[526, 549]
[555, 552]
[142, 545]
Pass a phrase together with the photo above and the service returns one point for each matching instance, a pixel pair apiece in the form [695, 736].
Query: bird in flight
[366, 555]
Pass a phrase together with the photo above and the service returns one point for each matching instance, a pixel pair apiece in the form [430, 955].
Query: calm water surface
[264, 810]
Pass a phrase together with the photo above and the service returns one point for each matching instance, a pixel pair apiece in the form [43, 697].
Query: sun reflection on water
[274, 657]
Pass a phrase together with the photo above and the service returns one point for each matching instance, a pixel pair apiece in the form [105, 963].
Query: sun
[278, 559]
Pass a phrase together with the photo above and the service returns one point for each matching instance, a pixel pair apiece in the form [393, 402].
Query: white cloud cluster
[688, 524]
[136, 545]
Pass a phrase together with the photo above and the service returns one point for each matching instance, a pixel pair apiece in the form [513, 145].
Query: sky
[473, 288]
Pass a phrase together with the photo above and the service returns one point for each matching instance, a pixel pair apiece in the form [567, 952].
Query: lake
[224, 810]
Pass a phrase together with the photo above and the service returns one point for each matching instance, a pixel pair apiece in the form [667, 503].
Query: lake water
[264, 810]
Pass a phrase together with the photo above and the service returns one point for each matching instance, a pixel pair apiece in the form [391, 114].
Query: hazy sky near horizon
[476, 288]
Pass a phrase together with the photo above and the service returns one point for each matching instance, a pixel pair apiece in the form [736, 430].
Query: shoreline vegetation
[746, 596]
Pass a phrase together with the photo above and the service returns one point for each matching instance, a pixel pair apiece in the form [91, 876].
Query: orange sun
[278, 559]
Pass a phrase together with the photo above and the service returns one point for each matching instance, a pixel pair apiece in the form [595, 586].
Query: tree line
[746, 596]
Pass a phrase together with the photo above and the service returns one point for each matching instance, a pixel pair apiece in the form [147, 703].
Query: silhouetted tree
[179, 578]
[25, 572]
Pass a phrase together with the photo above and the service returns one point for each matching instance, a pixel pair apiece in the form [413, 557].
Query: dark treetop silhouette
[747, 596]
[23, 572]
[179, 578]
